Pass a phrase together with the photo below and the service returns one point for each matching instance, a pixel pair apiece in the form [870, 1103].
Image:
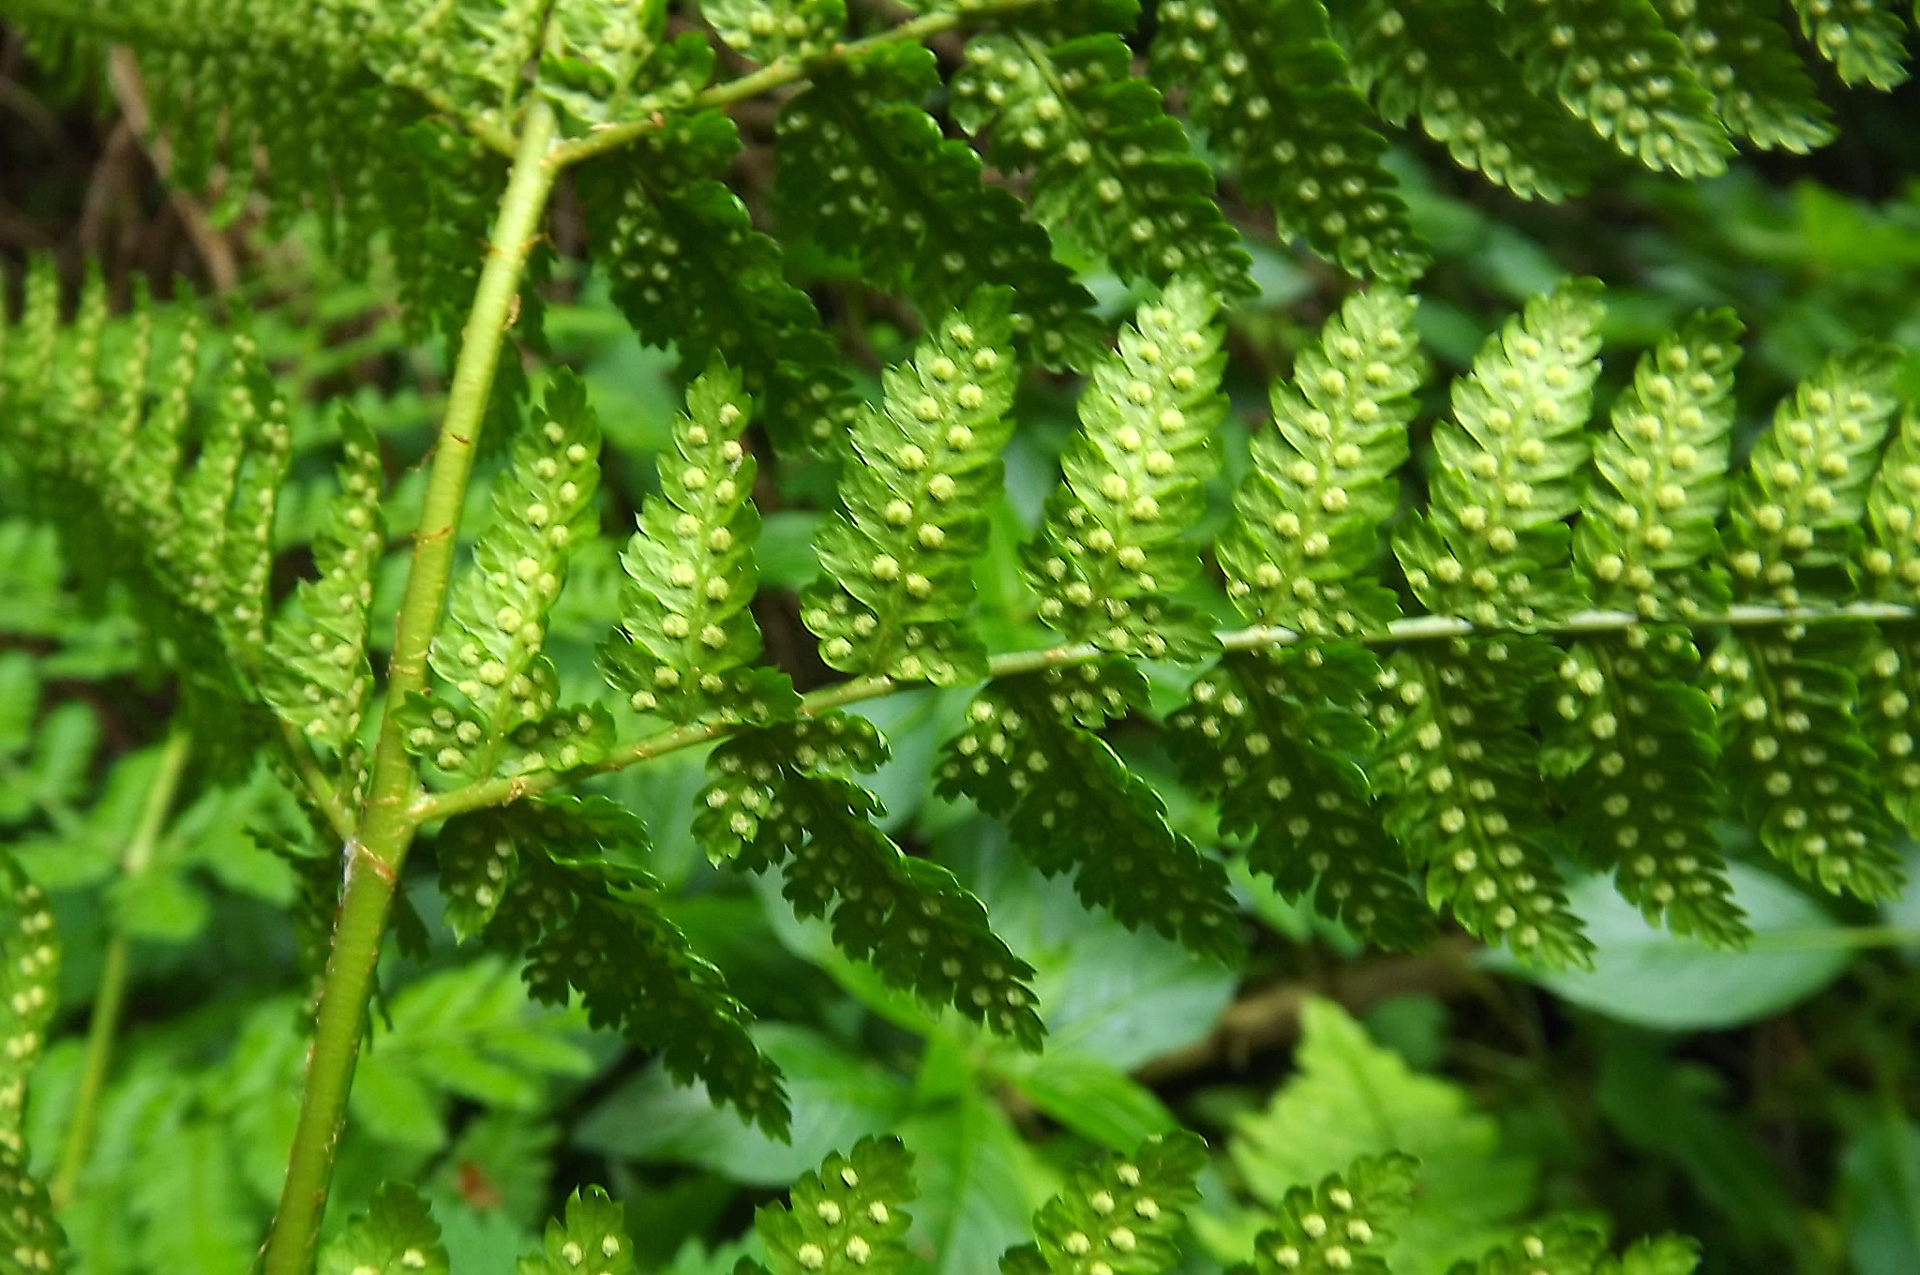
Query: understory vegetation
[1247, 636]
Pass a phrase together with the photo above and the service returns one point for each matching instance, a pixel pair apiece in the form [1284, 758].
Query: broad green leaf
[979, 1183]
[1678, 1111]
[1880, 1170]
[1091, 1097]
[1654, 979]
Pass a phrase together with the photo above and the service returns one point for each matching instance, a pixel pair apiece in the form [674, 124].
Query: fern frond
[1568, 1246]
[768, 30]
[395, 1236]
[1889, 678]
[1798, 760]
[868, 172]
[844, 1219]
[1029, 753]
[1797, 512]
[1746, 59]
[689, 271]
[686, 642]
[1462, 793]
[1114, 543]
[1113, 173]
[1431, 61]
[1892, 553]
[1801, 765]
[1635, 740]
[1863, 39]
[605, 62]
[1614, 64]
[775, 800]
[558, 881]
[898, 561]
[1648, 539]
[488, 648]
[1277, 739]
[1335, 1225]
[1491, 545]
[593, 1230]
[30, 1236]
[1271, 89]
[1117, 1212]
[1306, 517]
[219, 516]
[316, 674]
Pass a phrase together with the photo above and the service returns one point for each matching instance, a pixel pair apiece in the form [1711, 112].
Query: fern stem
[784, 71]
[374, 856]
[1421, 628]
[307, 768]
[110, 995]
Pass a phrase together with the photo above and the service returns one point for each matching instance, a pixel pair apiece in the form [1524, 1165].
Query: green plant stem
[373, 857]
[1423, 628]
[110, 995]
[784, 71]
[306, 767]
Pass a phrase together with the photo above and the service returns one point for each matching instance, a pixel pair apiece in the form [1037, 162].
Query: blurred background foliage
[1765, 1102]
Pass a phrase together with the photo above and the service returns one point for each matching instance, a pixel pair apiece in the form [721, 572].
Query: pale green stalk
[110, 994]
[374, 856]
[1419, 628]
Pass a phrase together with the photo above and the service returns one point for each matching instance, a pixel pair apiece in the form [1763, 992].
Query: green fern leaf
[1463, 793]
[601, 67]
[1647, 541]
[1863, 39]
[1306, 517]
[687, 642]
[865, 169]
[1661, 1255]
[1797, 512]
[898, 561]
[1269, 86]
[220, 516]
[1029, 752]
[1889, 675]
[1351, 1098]
[846, 1219]
[1114, 543]
[775, 801]
[1892, 554]
[1561, 1247]
[1336, 1225]
[1274, 737]
[1431, 61]
[1804, 769]
[1117, 1212]
[689, 271]
[30, 1236]
[1491, 543]
[488, 648]
[395, 1236]
[317, 675]
[1113, 173]
[1571, 1246]
[1799, 762]
[768, 30]
[592, 1237]
[1636, 742]
[558, 880]
[1614, 64]
[1761, 89]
